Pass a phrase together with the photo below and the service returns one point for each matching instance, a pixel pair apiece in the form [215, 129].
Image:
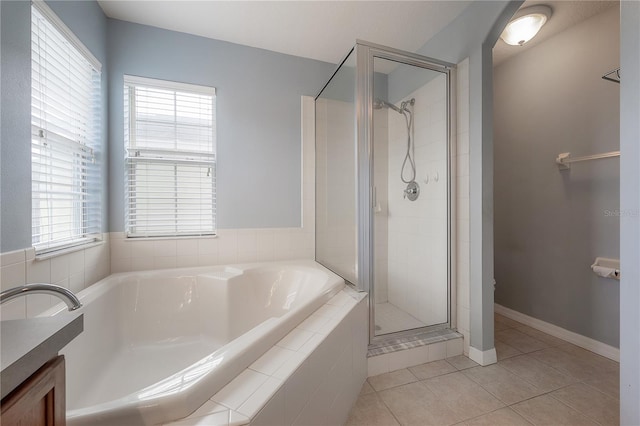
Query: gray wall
[258, 117]
[15, 170]
[472, 34]
[630, 221]
[88, 22]
[551, 225]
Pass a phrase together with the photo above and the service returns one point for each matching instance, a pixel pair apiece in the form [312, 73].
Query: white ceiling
[565, 14]
[322, 30]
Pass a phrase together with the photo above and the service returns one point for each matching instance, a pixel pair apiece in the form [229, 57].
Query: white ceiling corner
[321, 30]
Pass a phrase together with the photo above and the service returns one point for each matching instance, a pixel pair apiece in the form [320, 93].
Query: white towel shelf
[564, 159]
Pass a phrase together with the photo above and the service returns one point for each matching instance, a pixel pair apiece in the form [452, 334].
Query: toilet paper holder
[607, 268]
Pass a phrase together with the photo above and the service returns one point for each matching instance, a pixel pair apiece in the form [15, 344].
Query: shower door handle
[377, 208]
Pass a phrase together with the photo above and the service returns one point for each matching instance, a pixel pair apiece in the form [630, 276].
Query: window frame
[136, 155]
[85, 210]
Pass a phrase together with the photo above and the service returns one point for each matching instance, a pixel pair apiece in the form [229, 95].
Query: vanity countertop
[27, 344]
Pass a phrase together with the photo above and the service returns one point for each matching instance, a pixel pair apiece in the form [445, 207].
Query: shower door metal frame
[365, 54]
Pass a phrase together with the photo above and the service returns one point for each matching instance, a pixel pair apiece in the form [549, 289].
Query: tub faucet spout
[66, 295]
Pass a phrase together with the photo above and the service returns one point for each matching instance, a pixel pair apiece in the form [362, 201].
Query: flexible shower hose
[408, 116]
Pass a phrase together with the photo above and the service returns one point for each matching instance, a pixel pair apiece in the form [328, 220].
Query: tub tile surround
[76, 271]
[228, 247]
[309, 377]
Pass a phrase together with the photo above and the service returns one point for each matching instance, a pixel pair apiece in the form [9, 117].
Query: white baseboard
[483, 357]
[561, 333]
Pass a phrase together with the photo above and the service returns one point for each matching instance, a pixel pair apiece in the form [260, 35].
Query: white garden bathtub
[157, 344]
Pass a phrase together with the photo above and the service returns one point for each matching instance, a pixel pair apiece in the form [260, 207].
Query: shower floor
[390, 319]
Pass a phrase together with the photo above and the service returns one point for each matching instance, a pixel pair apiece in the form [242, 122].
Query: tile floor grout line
[574, 409]
[546, 365]
[524, 416]
[536, 396]
[595, 388]
[415, 377]
[394, 386]
[498, 409]
[513, 403]
[458, 369]
[389, 408]
[522, 378]
[536, 350]
[441, 375]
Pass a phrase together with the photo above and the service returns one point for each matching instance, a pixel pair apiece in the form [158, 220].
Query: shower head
[403, 105]
[379, 104]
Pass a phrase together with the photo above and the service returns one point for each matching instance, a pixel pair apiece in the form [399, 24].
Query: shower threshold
[411, 339]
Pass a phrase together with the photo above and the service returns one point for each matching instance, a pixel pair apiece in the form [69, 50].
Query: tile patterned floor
[538, 380]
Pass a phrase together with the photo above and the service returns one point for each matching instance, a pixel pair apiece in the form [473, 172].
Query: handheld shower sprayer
[406, 109]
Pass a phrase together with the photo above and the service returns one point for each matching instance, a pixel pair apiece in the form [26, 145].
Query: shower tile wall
[460, 186]
[417, 231]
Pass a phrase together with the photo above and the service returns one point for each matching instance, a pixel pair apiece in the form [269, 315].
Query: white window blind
[65, 124]
[170, 158]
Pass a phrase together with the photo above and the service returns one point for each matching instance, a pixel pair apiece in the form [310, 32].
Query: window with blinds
[170, 158]
[65, 132]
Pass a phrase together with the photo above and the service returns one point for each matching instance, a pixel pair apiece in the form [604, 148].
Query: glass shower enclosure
[383, 185]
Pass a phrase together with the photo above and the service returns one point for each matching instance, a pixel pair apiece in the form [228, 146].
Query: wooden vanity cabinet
[39, 400]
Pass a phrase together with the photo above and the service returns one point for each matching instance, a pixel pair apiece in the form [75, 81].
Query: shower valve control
[412, 191]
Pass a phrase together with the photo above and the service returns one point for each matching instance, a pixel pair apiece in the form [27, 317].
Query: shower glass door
[409, 131]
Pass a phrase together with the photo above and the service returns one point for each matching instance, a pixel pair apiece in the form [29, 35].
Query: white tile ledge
[219, 234]
[177, 237]
[62, 252]
[251, 390]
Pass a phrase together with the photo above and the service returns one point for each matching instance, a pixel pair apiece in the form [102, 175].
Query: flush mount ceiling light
[525, 24]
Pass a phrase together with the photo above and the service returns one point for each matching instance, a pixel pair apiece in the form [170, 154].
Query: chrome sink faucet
[66, 295]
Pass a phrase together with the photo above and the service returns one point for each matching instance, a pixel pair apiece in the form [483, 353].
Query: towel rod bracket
[560, 161]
